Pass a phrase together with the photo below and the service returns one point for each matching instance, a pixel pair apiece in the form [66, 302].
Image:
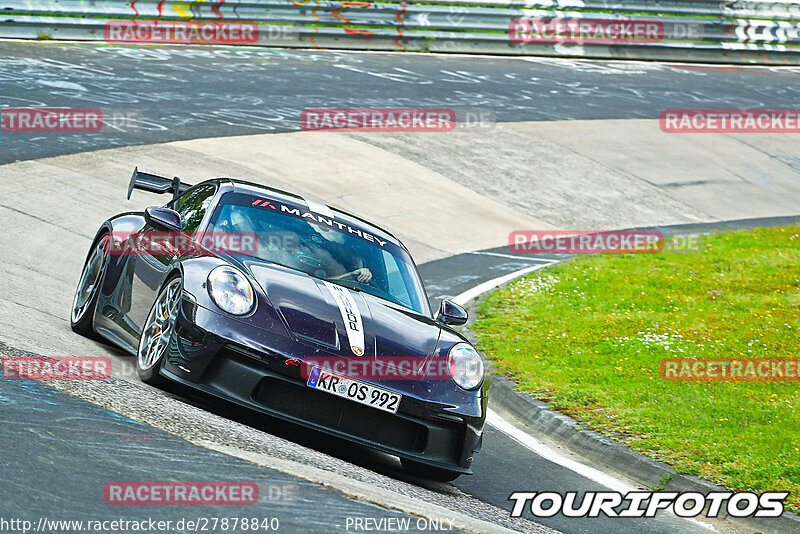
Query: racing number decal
[350, 315]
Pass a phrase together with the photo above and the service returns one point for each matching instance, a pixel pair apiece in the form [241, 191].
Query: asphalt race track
[110, 442]
[121, 430]
[158, 94]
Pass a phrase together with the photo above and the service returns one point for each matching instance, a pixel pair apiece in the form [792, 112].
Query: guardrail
[672, 30]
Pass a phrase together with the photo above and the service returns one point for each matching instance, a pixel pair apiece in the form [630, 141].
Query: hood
[343, 322]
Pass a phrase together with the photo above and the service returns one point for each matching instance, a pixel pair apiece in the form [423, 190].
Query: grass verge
[588, 337]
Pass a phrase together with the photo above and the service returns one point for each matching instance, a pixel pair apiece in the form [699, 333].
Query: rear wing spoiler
[156, 184]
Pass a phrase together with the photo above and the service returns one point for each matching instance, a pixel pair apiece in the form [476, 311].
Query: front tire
[421, 470]
[157, 332]
[87, 293]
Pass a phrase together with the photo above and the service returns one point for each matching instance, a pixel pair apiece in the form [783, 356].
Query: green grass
[588, 335]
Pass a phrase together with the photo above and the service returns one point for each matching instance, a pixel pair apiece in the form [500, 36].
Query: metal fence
[673, 30]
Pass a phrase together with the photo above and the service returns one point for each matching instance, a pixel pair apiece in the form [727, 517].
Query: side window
[397, 285]
[193, 204]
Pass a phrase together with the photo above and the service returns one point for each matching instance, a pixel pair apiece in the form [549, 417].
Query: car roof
[243, 186]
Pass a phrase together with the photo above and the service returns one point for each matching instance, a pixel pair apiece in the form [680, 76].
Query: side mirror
[451, 313]
[163, 218]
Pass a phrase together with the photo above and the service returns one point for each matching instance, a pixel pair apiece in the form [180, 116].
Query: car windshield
[321, 246]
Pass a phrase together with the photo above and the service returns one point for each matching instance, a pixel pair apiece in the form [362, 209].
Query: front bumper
[219, 355]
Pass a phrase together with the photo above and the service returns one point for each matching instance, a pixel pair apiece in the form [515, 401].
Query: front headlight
[230, 290]
[466, 366]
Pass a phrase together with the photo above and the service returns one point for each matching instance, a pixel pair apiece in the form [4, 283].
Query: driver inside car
[334, 240]
[315, 250]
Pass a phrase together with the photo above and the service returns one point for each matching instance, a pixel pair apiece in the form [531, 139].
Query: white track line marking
[548, 453]
[363, 491]
[530, 442]
[470, 294]
[521, 436]
[511, 256]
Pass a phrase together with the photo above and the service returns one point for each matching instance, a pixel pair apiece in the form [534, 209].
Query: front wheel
[420, 470]
[86, 294]
[157, 332]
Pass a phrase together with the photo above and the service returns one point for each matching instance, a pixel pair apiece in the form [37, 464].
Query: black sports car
[291, 308]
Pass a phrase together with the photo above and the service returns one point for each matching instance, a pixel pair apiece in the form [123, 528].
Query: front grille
[346, 416]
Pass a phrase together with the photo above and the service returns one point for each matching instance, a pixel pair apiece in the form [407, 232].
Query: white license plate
[354, 390]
